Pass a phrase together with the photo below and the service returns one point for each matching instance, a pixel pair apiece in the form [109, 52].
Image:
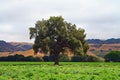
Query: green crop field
[66, 71]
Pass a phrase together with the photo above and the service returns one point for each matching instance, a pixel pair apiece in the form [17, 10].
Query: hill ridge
[14, 46]
[108, 41]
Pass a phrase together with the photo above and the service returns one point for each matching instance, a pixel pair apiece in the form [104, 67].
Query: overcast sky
[100, 18]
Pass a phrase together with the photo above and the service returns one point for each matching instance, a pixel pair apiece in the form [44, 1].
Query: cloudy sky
[100, 18]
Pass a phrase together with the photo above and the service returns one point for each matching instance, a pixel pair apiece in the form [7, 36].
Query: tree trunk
[57, 59]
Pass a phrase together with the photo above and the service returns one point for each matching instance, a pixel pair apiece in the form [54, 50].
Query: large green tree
[55, 35]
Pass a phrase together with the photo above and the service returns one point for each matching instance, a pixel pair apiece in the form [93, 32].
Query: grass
[66, 71]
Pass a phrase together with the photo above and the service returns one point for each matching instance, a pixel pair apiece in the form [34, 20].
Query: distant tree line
[51, 58]
[108, 41]
[65, 58]
[19, 58]
[113, 56]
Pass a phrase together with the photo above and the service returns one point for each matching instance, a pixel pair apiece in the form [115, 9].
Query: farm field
[66, 71]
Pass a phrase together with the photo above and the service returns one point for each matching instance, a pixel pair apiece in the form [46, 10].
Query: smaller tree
[113, 56]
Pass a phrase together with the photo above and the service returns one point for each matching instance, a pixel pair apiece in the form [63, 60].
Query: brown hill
[25, 53]
[104, 47]
[4, 54]
[14, 46]
[22, 46]
[22, 43]
[95, 49]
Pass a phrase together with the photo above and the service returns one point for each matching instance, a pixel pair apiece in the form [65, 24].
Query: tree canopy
[55, 35]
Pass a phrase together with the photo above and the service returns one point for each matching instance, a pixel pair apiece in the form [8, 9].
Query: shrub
[87, 58]
[64, 58]
[77, 58]
[113, 56]
[48, 58]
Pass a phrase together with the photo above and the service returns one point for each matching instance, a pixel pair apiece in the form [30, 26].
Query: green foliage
[77, 59]
[68, 71]
[113, 56]
[55, 34]
[46, 58]
[49, 58]
[87, 58]
[64, 58]
[19, 58]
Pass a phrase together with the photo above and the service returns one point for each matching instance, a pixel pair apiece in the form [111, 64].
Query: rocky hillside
[114, 47]
[22, 46]
[7, 47]
[14, 46]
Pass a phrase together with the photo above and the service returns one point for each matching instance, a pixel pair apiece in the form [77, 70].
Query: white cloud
[6, 28]
[98, 17]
